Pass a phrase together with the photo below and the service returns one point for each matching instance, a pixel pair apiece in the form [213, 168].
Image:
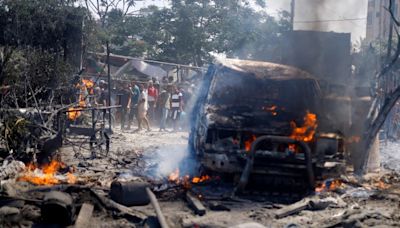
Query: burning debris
[307, 131]
[48, 174]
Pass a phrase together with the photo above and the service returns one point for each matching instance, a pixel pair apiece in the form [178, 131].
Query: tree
[384, 99]
[39, 44]
[190, 32]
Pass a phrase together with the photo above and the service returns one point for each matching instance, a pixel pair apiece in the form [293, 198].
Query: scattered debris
[85, 215]
[195, 204]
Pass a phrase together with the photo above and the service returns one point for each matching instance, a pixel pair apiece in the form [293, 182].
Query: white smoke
[166, 159]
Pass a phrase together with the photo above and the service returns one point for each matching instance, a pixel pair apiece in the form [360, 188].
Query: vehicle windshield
[246, 92]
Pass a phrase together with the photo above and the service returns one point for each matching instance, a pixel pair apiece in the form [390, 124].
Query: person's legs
[174, 118]
[123, 114]
[151, 110]
[146, 121]
[164, 116]
[139, 123]
[132, 115]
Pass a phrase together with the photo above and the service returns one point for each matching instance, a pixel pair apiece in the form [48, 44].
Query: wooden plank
[292, 209]
[195, 204]
[85, 215]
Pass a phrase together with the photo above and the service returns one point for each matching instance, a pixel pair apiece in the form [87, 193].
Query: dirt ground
[374, 202]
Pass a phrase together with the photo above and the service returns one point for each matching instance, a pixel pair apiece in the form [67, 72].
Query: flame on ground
[328, 185]
[174, 176]
[306, 132]
[185, 180]
[381, 185]
[46, 175]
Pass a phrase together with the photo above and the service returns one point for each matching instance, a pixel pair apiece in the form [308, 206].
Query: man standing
[176, 106]
[135, 93]
[142, 109]
[164, 102]
[152, 96]
[125, 103]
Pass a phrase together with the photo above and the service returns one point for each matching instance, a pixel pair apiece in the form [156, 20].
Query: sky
[348, 16]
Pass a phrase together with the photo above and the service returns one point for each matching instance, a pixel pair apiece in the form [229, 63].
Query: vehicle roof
[265, 70]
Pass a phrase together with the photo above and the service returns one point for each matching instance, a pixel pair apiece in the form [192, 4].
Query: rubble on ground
[78, 192]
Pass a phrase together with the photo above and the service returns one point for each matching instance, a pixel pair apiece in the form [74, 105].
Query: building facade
[378, 19]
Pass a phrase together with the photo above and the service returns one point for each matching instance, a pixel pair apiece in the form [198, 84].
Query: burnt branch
[374, 124]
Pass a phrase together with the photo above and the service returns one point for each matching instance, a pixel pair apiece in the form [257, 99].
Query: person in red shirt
[152, 92]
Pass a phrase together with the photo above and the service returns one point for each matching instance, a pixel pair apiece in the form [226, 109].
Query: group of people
[150, 102]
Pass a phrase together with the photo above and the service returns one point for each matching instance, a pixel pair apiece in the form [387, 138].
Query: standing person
[103, 99]
[152, 98]
[125, 103]
[164, 104]
[176, 106]
[142, 115]
[143, 107]
[135, 93]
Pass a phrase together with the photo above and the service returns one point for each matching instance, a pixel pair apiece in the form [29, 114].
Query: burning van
[262, 124]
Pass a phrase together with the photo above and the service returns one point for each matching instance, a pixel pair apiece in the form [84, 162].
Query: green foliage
[48, 24]
[40, 44]
[33, 71]
[14, 132]
[191, 31]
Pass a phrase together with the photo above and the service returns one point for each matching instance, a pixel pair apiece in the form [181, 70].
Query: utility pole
[292, 9]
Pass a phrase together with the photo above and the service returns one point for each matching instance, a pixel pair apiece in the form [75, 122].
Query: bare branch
[391, 9]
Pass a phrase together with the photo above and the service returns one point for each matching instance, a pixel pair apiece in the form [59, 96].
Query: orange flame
[89, 85]
[328, 186]
[174, 176]
[292, 147]
[86, 86]
[307, 131]
[186, 181]
[196, 180]
[247, 143]
[73, 113]
[46, 175]
[381, 185]
[272, 109]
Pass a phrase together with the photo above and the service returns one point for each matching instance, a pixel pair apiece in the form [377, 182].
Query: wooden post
[109, 85]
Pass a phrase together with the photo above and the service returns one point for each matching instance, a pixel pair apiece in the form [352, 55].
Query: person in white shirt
[176, 106]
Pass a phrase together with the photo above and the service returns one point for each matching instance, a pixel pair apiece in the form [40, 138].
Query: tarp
[143, 67]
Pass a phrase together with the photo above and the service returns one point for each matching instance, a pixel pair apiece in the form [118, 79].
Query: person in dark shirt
[125, 103]
[135, 93]
[165, 105]
[103, 99]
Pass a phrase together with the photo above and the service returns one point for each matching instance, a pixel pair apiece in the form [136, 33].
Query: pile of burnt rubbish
[136, 201]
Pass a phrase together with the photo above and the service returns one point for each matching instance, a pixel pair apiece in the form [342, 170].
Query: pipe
[160, 215]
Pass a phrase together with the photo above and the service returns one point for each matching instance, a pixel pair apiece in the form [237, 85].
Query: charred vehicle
[262, 124]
